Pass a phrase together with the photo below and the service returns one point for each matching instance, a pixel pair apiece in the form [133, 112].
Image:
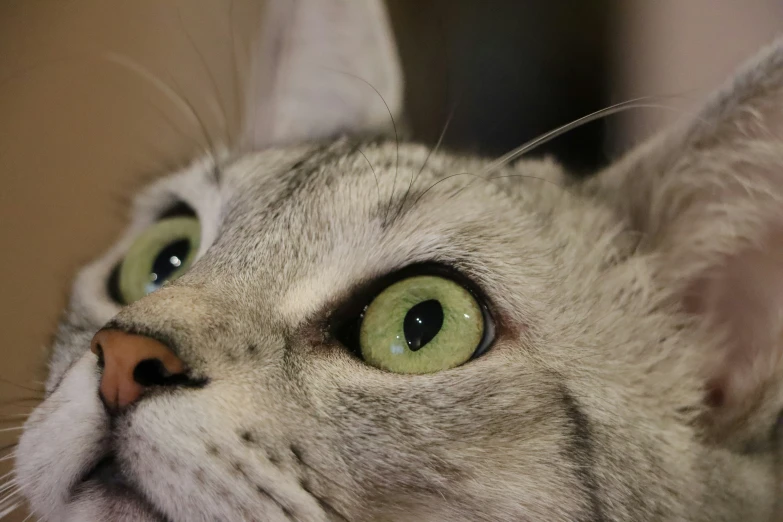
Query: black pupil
[169, 260]
[422, 323]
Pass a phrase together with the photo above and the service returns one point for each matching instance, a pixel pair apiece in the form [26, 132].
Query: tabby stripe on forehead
[581, 453]
[302, 172]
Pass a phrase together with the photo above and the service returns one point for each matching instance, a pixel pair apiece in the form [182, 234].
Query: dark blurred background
[507, 71]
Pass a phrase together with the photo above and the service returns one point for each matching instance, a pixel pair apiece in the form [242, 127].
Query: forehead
[306, 225]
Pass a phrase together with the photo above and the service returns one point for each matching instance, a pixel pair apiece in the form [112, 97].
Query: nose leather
[121, 354]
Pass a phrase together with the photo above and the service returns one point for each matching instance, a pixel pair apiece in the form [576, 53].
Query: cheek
[63, 437]
[502, 457]
[222, 449]
[380, 435]
[407, 422]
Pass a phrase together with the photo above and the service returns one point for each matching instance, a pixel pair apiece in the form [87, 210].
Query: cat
[364, 330]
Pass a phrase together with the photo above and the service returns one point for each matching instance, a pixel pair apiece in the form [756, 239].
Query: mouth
[108, 482]
[107, 473]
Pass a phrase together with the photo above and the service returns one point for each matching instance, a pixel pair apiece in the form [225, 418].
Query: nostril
[152, 372]
[98, 350]
[132, 363]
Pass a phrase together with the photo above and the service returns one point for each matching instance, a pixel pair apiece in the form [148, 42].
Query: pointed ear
[708, 198]
[319, 69]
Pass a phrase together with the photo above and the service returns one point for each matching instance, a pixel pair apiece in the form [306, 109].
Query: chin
[106, 493]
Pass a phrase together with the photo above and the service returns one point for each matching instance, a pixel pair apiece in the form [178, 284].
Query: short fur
[636, 374]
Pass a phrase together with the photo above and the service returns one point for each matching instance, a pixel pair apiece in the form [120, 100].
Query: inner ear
[740, 302]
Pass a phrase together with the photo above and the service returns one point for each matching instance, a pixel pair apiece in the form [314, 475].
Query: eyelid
[362, 294]
[178, 209]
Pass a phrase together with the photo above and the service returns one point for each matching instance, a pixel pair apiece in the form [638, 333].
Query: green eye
[162, 253]
[422, 324]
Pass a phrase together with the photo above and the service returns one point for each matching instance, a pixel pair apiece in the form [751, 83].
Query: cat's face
[361, 331]
[287, 423]
[290, 423]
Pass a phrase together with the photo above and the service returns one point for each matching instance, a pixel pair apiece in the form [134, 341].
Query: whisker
[526, 176]
[8, 457]
[540, 140]
[15, 428]
[15, 416]
[202, 125]
[11, 498]
[9, 491]
[2, 477]
[20, 399]
[471, 174]
[9, 487]
[184, 105]
[250, 99]
[394, 126]
[4, 512]
[778, 456]
[234, 65]
[548, 136]
[10, 483]
[377, 184]
[222, 113]
[12, 383]
[432, 151]
[9, 446]
[174, 126]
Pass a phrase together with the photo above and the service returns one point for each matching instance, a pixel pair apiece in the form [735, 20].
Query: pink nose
[131, 363]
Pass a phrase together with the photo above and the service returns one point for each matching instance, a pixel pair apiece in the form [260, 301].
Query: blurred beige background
[683, 49]
[78, 131]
